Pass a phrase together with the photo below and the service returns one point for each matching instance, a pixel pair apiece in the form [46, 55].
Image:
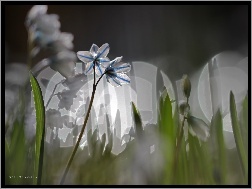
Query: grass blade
[166, 123]
[168, 134]
[238, 136]
[17, 152]
[244, 123]
[40, 129]
[218, 127]
[137, 120]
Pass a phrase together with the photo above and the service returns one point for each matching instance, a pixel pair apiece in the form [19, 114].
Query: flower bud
[183, 107]
[186, 86]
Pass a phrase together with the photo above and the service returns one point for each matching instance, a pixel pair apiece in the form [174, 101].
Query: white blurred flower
[198, 127]
[76, 82]
[53, 119]
[56, 41]
[64, 63]
[10, 108]
[63, 41]
[35, 11]
[66, 99]
[42, 39]
[47, 23]
[16, 74]
[44, 33]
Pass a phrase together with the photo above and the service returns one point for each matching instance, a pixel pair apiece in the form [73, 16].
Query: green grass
[198, 162]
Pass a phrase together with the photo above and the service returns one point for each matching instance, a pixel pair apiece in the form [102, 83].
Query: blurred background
[166, 35]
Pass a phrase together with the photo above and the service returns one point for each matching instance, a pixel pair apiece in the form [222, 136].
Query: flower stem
[52, 94]
[100, 78]
[179, 141]
[82, 130]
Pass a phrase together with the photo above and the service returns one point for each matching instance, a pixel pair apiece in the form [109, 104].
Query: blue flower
[95, 57]
[115, 72]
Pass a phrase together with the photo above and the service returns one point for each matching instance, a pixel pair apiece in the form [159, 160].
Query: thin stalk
[178, 148]
[179, 141]
[82, 130]
[52, 94]
[100, 78]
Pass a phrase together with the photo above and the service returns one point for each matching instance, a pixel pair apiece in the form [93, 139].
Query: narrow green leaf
[238, 136]
[244, 123]
[166, 122]
[168, 134]
[208, 165]
[222, 159]
[199, 162]
[17, 151]
[40, 129]
[204, 174]
[193, 160]
[183, 164]
[137, 119]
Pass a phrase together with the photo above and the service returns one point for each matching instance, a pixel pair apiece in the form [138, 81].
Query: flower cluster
[96, 59]
[44, 34]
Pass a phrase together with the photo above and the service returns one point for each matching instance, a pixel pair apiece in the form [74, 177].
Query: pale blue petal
[103, 51]
[85, 56]
[113, 81]
[89, 68]
[94, 50]
[123, 68]
[104, 62]
[116, 61]
[99, 70]
[123, 78]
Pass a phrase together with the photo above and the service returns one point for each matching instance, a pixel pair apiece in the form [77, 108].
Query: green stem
[82, 130]
[179, 141]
